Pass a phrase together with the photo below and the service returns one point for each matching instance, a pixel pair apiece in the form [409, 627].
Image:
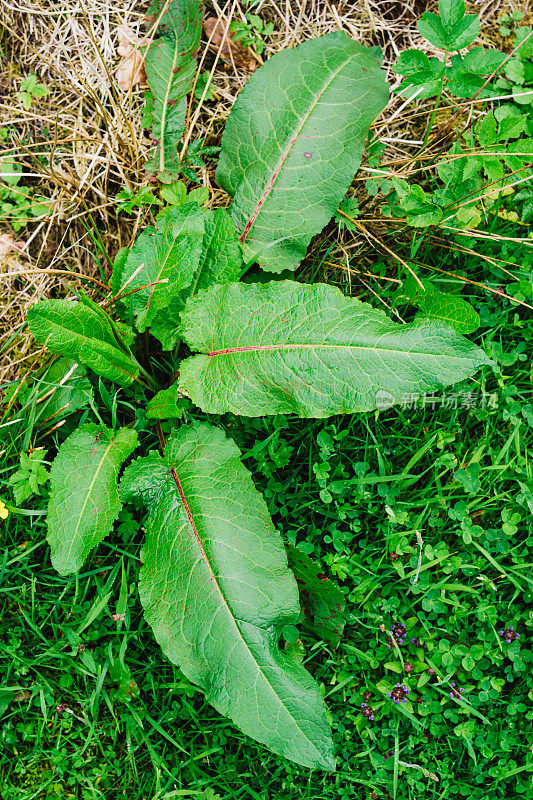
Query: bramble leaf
[451, 12]
[430, 26]
[217, 591]
[84, 499]
[421, 73]
[290, 348]
[412, 199]
[293, 141]
[170, 68]
[79, 332]
[32, 474]
[467, 75]
[445, 34]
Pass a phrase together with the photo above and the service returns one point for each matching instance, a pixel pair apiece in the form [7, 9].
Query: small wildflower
[418, 643]
[399, 693]
[367, 696]
[431, 671]
[4, 513]
[408, 667]
[396, 634]
[367, 711]
[118, 617]
[427, 736]
[456, 691]
[394, 556]
[509, 634]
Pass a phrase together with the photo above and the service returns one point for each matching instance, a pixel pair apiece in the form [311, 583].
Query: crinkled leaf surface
[79, 332]
[285, 347]
[84, 499]
[170, 68]
[216, 590]
[322, 601]
[164, 405]
[220, 261]
[293, 142]
[454, 310]
[164, 261]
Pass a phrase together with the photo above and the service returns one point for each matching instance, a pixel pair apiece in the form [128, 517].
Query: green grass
[349, 491]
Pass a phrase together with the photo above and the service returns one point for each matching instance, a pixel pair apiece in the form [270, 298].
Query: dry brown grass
[84, 141]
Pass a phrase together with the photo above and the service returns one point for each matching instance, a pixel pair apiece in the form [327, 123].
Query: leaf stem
[436, 106]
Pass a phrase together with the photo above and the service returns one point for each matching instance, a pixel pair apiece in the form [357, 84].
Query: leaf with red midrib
[293, 142]
[216, 590]
[285, 347]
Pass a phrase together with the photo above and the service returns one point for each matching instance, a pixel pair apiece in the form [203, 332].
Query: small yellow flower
[4, 513]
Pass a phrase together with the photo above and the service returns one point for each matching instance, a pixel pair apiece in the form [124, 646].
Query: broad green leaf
[322, 602]
[450, 308]
[220, 262]
[422, 75]
[290, 348]
[420, 212]
[80, 333]
[430, 26]
[84, 499]
[511, 127]
[451, 12]
[118, 267]
[163, 261]
[221, 259]
[170, 68]
[293, 142]
[216, 590]
[461, 34]
[164, 405]
[486, 130]
[467, 75]
[525, 50]
[120, 330]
